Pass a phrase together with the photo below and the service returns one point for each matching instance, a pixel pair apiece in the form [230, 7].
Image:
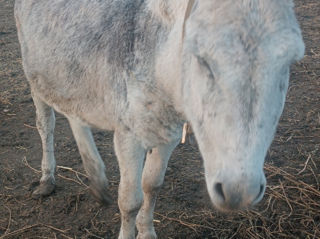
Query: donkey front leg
[152, 179]
[131, 157]
[45, 125]
[92, 161]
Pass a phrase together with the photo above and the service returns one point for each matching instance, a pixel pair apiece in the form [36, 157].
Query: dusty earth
[290, 209]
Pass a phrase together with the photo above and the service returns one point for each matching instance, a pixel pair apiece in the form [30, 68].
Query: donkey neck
[169, 61]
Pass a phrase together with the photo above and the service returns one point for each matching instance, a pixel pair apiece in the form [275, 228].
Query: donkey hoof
[101, 195]
[44, 189]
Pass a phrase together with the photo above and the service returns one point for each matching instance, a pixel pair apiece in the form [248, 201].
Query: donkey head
[236, 61]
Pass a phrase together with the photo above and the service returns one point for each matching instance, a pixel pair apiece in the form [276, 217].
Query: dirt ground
[290, 209]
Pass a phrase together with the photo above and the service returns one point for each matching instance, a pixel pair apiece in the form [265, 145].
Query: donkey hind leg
[131, 157]
[152, 179]
[92, 161]
[45, 125]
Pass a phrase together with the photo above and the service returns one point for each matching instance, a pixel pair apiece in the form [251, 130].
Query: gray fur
[142, 68]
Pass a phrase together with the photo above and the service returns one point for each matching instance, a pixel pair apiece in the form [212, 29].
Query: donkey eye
[205, 65]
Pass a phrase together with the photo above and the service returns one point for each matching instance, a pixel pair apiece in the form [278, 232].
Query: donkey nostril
[219, 190]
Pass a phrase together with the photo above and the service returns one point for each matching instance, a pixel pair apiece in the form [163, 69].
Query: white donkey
[144, 67]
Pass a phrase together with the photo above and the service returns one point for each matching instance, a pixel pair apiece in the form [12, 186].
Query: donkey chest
[154, 121]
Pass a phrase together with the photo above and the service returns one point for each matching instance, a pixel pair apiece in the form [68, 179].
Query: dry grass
[290, 209]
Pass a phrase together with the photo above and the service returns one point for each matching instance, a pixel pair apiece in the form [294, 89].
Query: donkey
[144, 67]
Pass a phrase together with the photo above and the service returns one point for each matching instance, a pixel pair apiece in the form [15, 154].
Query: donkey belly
[75, 100]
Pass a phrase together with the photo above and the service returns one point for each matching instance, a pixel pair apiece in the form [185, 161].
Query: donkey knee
[45, 119]
[130, 205]
[151, 185]
[130, 201]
